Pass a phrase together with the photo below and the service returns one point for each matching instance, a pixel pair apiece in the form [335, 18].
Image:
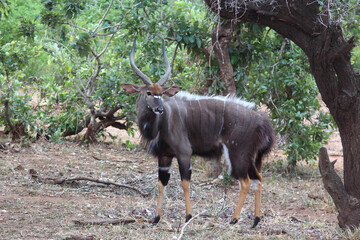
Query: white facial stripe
[158, 97]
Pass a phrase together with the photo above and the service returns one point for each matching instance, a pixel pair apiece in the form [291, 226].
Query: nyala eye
[148, 93]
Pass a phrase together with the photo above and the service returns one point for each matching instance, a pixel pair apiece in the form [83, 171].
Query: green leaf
[178, 37]
[198, 42]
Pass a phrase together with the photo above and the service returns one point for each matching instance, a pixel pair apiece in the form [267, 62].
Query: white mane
[229, 98]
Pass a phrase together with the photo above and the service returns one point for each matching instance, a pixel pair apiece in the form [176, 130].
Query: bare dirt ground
[294, 207]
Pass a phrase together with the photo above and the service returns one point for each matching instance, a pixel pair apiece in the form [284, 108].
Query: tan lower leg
[245, 185]
[160, 199]
[258, 200]
[186, 187]
[258, 196]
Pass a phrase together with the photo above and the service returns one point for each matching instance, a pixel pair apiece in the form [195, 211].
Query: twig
[187, 223]
[35, 176]
[75, 237]
[316, 197]
[75, 26]
[112, 160]
[103, 222]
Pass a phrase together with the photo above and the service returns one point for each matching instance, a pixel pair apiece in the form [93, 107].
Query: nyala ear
[131, 88]
[171, 91]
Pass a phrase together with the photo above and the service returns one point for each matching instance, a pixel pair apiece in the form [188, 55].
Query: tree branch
[108, 43]
[187, 223]
[98, 114]
[174, 56]
[102, 19]
[75, 26]
[344, 49]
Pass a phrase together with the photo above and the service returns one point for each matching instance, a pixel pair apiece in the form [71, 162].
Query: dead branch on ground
[36, 177]
[103, 222]
[75, 237]
[112, 160]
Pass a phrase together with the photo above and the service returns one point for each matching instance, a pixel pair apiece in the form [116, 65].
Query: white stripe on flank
[168, 114]
[178, 108]
[201, 126]
[222, 119]
[227, 158]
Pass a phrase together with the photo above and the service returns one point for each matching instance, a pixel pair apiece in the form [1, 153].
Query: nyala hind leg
[245, 185]
[257, 185]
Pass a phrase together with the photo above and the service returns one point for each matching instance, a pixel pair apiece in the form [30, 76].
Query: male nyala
[178, 124]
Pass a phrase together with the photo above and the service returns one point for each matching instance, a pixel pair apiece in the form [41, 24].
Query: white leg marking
[165, 169]
[239, 185]
[227, 158]
[255, 183]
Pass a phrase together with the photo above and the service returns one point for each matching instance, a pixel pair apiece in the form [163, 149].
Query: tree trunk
[17, 129]
[310, 26]
[221, 38]
[348, 206]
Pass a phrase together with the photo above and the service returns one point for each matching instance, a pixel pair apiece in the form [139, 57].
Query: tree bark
[310, 26]
[221, 38]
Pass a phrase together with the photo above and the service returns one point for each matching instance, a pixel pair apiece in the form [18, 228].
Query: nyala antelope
[178, 124]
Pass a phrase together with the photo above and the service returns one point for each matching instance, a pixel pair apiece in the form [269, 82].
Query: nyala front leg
[164, 176]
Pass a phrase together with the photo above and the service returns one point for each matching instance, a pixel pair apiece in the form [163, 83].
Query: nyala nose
[160, 110]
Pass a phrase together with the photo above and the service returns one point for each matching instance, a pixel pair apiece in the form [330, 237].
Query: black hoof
[256, 221]
[156, 220]
[234, 221]
[188, 217]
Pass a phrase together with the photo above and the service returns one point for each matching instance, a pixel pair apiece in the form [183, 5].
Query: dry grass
[295, 207]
